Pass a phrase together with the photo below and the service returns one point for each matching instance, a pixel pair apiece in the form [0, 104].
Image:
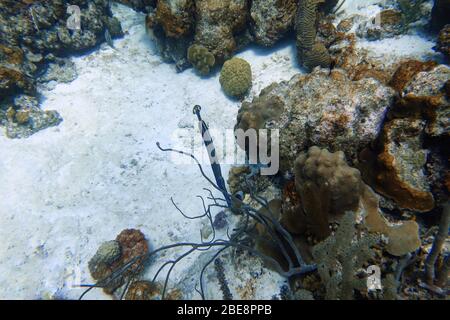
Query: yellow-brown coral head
[236, 77]
[329, 173]
[201, 59]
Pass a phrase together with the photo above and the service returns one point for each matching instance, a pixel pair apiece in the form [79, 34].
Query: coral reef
[217, 25]
[402, 238]
[201, 59]
[328, 109]
[236, 77]
[130, 246]
[223, 27]
[176, 17]
[406, 72]
[419, 117]
[23, 117]
[328, 188]
[388, 24]
[32, 33]
[310, 52]
[271, 20]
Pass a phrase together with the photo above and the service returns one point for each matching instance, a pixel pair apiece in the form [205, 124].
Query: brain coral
[201, 59]
[236, 77]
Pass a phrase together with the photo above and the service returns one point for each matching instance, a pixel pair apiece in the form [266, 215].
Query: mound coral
[236, 77]
[327, 186]
[201, 59]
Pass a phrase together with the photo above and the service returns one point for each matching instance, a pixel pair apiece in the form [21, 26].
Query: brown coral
[402, 238]
[218, 21]
[407, 70]
[130, 245]
[143, 290]
[176, 17]
[328, 188]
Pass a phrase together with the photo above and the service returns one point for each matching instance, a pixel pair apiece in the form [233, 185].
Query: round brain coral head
[236, 77]
[201, 59]
[329, 173]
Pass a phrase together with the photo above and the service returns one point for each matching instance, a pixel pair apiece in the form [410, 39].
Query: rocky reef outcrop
[412, 141]
[323, 109]
[223, 27]
[31, 35]
[271, 20]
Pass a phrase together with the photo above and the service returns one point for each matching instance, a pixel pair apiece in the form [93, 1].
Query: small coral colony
[363, 143]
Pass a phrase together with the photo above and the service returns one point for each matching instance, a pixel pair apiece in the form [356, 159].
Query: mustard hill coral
[236, 77]
[327, 186]
[201, 59]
